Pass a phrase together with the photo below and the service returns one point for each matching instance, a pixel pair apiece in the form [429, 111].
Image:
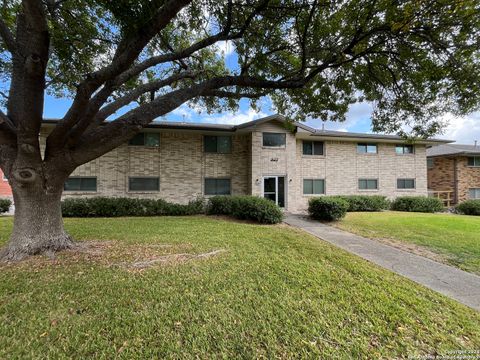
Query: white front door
[274, 189]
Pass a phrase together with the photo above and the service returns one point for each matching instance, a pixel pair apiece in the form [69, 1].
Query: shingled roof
[453, 150]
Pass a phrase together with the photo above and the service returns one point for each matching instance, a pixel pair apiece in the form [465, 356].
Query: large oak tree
[414, 59]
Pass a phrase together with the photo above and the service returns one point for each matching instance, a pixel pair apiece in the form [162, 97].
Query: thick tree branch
[127, 51]
[4, 119]
[7, 37]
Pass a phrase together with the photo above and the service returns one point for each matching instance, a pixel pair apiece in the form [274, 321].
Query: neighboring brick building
[454, 168]
[5, 190]
[180, 161]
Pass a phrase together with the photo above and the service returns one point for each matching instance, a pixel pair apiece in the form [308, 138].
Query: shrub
[114, 207]
[246, 207]
[469, 207]
[327, 208]
[417, 204]
[365, 202]
[5, 205]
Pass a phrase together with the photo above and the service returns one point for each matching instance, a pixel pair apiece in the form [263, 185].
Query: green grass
[275, 293]
[455, 237]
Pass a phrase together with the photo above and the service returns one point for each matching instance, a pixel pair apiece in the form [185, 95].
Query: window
[145, 139]
[430, 163]
[368, 184]
[404, 149]
[217, 144]
[313, 186]
[217, 186]
[405, 183]
[143, 184]
[474, 193]
[367, 148]
[313, 148]
[474, 161]
[80, 184]
[274, 139]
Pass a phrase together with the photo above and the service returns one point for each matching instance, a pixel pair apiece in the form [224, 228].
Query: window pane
[318, 186]
[72, 184]
[474, 193]
[400, 184]
[152, 139]
[143, 184]
[223, 187]
[409, 183]
[362, 184]
[430, 163]
[269, 185]
[88, 184]
[361, 148]
[474, 161]
[81, 184]
[371, 148]
[210, 144]
[307, 148]
[372, 184]
[408, 149]
[399, 149]
[274, 139]
[318, 148]
[224, 144]
[138, 140]
[307, 187]
[281, 192]
[210, 187]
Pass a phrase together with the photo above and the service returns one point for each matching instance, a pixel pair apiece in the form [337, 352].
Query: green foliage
[469, 207]
[413, 59]
[365, 202]
[246, 207]
[114, 207]
[328, 208]
[417, 204]
[5, 205]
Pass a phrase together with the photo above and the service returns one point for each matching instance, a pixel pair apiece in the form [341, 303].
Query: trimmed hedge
[417, 204]
[114, 207]
[469, 207]
[5, 205]
[365, 202]
[328, 208]
[246, 207]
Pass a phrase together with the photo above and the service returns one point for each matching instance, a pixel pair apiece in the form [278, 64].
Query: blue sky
[463, 130]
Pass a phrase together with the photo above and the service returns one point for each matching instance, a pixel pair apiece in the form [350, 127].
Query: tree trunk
[38, 224]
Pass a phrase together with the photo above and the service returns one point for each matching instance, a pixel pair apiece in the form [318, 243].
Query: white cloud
[225, 48]
[236, 118]
[188, 114]
[464, 130]
[358, 118]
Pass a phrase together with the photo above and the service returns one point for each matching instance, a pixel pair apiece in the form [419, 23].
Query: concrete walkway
[447, 280]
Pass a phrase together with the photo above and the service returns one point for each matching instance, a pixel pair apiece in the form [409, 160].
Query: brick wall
[342, 166]
[441, 176]
[179, 162]
[181, 165]
[468, 177]
[5, 189]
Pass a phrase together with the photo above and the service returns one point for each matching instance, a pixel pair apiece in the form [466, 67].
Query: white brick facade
[181, 165]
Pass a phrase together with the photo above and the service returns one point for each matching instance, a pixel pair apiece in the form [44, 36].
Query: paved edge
[457, 284]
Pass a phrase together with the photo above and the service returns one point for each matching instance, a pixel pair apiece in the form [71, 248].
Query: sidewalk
[447, 280]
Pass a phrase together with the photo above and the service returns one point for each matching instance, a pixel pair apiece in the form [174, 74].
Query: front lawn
[274, 292]
[454, 238]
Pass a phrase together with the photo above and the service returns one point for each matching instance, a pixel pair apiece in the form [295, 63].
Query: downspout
[455, 180]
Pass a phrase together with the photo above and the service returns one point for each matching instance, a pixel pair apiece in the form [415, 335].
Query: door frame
[276, 187]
